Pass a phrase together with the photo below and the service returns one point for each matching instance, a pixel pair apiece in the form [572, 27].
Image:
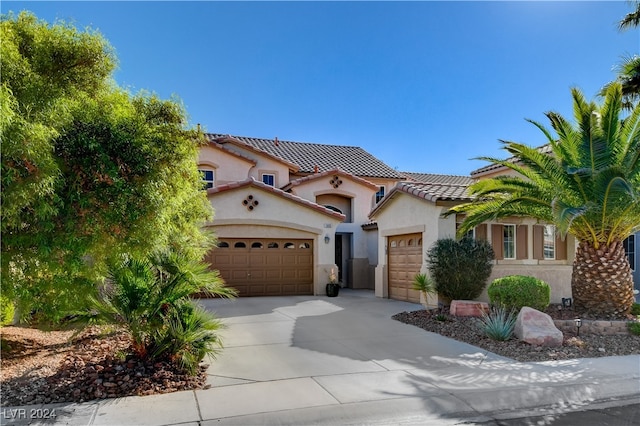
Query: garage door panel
[404, 261]
[255, 269]
[239, 259]
[272, 275]
[236, 274]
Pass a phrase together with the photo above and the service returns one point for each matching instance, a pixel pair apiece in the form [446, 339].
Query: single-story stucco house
[287, 213]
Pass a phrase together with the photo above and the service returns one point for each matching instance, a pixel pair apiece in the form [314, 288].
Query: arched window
[394, 243]
[272, 245]
[240, 244]
[305, 245]
[289, 245]
[411, 242]
[256, 244]
[223, 244]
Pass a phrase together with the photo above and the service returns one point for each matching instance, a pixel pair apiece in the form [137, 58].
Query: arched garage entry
[265, 266]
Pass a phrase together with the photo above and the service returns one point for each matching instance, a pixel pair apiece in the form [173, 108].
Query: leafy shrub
[190, 335]
[516, 291]
[7, 310]
[499, 323]
[460, 269]
[150, 299]
[634, 328]
[635, 309]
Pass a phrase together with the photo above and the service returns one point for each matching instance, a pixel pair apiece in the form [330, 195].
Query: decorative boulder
[468, 308]
[537, 328]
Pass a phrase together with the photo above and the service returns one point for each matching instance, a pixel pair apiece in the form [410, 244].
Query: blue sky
[424, 86]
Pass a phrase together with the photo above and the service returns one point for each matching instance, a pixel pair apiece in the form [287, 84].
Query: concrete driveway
[309, 360]
[344, 361]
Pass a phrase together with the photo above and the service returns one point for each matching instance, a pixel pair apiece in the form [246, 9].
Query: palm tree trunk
[601, 282]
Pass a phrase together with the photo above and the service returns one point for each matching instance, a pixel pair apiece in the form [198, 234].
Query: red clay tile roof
[308, 156]
[438, 179]
[333, 172]
[224, 139]
[432, 192]
[276, 191]
[546, 149]
[369, 226]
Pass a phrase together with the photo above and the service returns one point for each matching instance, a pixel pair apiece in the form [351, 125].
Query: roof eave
[278, 192]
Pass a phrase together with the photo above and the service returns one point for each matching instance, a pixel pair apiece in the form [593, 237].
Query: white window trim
[504, 242]
[273, 175]
[634, 255]
[384, 192]
[202, 170]
[471, 233]
[553, 240]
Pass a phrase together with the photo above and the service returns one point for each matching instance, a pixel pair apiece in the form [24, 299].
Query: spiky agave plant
[499, 323]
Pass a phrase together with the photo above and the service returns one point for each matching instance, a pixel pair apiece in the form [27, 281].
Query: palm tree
[631, 19]
[629, 68]
[588, 187]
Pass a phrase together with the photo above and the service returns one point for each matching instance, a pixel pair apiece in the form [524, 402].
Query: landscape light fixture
[578, 322]
[566, 302]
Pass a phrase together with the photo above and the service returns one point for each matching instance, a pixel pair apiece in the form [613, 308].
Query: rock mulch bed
[47, 367]
[466, 329]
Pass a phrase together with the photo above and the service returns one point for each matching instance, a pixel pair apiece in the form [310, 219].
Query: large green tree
[89, 171]
[588, 186]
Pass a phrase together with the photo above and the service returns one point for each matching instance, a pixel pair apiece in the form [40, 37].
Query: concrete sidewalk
[342, 361]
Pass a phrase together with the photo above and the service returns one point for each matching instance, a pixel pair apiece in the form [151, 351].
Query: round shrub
[516, 291]
[7, 309]
[460, 268]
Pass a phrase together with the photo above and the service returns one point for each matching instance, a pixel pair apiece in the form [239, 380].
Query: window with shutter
[538, 242]
[497, 238]
[522, 242]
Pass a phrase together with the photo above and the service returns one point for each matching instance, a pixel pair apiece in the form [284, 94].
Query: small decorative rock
[537, 328]
[468, 308]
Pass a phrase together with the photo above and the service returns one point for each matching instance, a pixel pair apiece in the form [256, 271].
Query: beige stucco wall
[388, 186]
[557, 275]
[407, 214]
[265, 164]
[228, 167]
[276, 217]
[359, 196]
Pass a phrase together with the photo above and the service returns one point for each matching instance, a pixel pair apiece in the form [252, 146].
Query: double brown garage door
[265, 267]
[404, 262]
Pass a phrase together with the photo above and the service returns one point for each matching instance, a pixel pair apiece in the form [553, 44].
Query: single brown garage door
[265, 267]
[405, 261]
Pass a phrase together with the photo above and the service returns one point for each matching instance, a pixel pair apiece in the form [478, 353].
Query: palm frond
[631, 19]
[609, 118]
[589, 184]
[630, 140]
